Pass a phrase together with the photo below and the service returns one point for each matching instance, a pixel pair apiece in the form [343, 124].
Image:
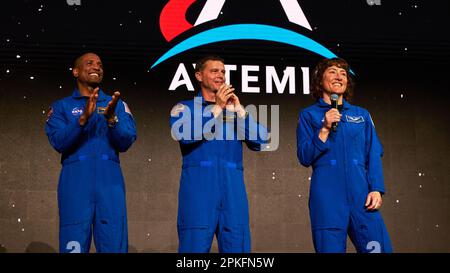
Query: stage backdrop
[398, 52]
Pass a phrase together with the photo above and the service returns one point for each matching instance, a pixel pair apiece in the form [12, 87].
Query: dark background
[399, 52]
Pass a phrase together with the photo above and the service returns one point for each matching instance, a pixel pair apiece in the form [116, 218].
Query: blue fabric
[91, 190]
[212, 194]
[345, 169]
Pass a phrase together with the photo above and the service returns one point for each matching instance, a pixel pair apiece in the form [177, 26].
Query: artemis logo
[173, 23]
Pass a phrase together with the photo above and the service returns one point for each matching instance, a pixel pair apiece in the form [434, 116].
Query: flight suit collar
[101, 95]
[322, 103]
[204, 102]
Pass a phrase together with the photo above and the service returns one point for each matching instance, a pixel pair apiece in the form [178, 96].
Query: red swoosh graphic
[172, 20]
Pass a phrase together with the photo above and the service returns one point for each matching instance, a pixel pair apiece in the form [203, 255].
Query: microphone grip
[334, 126]
[334, 104]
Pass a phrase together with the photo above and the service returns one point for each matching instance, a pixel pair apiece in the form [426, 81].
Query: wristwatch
[113, 122]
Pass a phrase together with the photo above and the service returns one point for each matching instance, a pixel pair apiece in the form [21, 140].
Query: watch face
[229, 117]
[113, 122]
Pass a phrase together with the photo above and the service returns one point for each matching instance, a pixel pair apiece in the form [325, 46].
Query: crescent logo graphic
[77, 111]
[173, 23]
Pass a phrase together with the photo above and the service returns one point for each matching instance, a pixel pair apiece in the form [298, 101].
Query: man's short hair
[77, 61]
[200, 64]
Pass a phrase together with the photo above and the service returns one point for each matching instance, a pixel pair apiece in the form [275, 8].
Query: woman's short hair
[317, 76]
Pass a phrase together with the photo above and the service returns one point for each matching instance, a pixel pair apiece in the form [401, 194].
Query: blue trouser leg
[213, 201]
[233, 232]
[230, 238]
[234, 239]
[195, 239]
[197, 212]
[75, 238]
[111, 236]
[198, 239]
[330, 240]
[91, 193]
[76, 208]
[368, 232]
[110, 222]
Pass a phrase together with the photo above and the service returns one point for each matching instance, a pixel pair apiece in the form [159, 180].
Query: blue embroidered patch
[357, 119]
[77, 111]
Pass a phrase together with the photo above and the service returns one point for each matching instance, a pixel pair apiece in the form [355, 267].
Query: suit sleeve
[182, 125]
[374, 152]
[309, 145]
[123, 134]
[184, 129]
[255, 134]
[62, 134]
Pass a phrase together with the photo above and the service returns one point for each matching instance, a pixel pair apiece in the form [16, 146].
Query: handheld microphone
[334, 104]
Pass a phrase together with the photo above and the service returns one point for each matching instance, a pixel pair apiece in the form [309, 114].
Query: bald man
[89, 129]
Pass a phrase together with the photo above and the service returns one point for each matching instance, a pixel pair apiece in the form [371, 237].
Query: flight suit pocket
[356, 130]
[367, 233]
[191, 230]
[194, 238]
[235, 239]
[325, 163]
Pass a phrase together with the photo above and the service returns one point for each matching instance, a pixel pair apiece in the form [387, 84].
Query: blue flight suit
[91, 190]
[345, 169]
[212, 195]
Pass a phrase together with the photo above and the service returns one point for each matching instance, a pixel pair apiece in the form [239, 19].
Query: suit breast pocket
[356, 132]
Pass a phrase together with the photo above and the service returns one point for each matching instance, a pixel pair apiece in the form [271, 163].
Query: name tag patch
[354, 119]
[101, 110]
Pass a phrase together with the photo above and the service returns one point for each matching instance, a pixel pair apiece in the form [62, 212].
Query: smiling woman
[347, 180]
[334, 71]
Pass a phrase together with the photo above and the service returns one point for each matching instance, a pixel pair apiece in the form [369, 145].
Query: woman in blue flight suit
[347, 180]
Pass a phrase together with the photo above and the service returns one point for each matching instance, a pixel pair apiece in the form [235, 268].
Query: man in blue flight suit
[212, 195]
[89, 129]
[347, 180]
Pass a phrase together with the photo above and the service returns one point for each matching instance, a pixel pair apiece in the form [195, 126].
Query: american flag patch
[176, 110]
[49, 114]
[127, 109]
